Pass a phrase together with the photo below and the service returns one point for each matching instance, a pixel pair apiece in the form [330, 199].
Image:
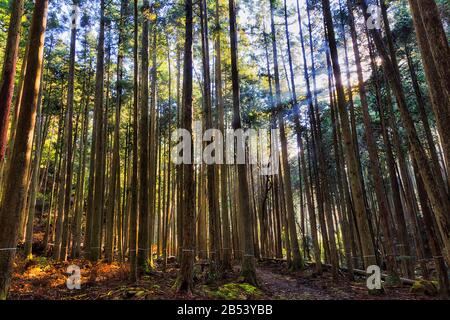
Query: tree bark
[16, 179]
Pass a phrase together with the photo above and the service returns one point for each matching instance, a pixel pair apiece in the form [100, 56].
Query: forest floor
[44, 279]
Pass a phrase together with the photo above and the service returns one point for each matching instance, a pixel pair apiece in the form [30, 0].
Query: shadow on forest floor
[279, 283]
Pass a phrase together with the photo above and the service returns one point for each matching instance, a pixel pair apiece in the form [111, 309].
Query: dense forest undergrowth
[238, 149]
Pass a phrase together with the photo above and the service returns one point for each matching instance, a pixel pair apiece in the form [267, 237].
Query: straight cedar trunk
[253, 208]
[323, 165]
[90, 193]
[421, 105]
[297, 262]
[408, 193]
[58, 164]
[134, 175]
[202, 245]
[309, 199]
[179, 169]
[16, 110]
[316, 142]
[248, 259]
[213, 204]
[390, 161]
[15, 182]
[440, 100]
[106, 140]
[143, 144]
[97, 212]
[437, 40]
[435, 190]
[352, 163]
[341, 195]
[126, 202]
[432, 235]
[160, 194]
[349, 93]
[277, 233]
[169, 206]
[113, 205]
[374, 160]
[34, 183]
[9, 72]
[79, 204]
[401, 224]
[226, 231]
[60, 196]
[67, 236]
[237, 236]
[185, 279]
[324, 193]
[80, 189]
[153, 138]
[65, 214]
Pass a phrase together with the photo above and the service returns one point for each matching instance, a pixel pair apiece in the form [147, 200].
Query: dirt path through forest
[278, 284]
[287, 287]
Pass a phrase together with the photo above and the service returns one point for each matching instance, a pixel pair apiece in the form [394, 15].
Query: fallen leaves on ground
[45, 279]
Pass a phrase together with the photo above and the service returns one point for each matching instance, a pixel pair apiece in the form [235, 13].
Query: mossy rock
[238, 291]
[424, 287]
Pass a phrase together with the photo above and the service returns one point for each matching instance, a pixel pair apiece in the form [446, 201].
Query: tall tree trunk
[349, 148]
[437, 40]
[113, 205]
[96, 232]
[68, 140]
[226, 232]
[309, 198]
[9, 72]
[143, 144]
[297, 262]
[16, 179]
[185, 280]
[375, 166]
[440, 100]
[248, 260]
[213, 205]
[134, 176]
[30, 210]
[435, 190]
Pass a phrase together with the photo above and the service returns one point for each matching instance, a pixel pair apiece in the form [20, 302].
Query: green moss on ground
[425, 287]
[237, 291]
